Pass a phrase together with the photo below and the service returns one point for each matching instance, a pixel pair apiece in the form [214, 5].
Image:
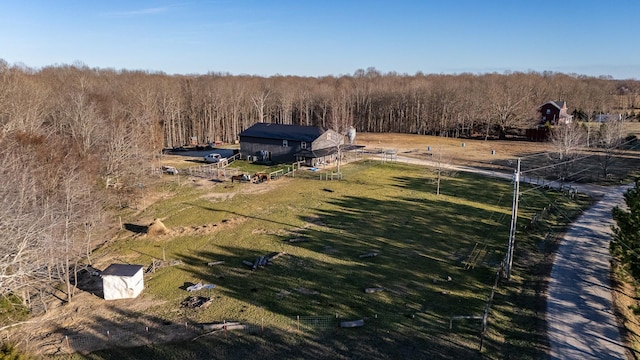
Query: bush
[626, 239]
[12, 310]
[11, 352]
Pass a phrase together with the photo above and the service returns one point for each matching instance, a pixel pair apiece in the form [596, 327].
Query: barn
[280, 143]
[122, 281]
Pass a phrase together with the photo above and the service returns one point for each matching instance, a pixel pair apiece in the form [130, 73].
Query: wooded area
[77, 140]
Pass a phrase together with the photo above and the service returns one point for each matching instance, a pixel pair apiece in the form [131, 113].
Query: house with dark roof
[555, 113]
[280, 143]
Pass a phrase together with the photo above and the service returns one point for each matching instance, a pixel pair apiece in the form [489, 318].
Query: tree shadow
[135, 228]
[418, 264]
[89, 280]
[421, 244]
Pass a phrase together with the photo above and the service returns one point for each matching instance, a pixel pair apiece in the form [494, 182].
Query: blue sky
[317, 38]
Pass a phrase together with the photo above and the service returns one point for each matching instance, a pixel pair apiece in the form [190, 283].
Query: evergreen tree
[626, 233]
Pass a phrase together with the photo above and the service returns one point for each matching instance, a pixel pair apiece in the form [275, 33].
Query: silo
[351, 134]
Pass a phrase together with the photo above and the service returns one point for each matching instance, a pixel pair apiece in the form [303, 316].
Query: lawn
[435, 257]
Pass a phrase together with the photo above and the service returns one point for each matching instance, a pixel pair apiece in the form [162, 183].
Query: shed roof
[283, 132]
[121, 270]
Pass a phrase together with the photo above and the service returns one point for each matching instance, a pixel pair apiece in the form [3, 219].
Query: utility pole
[514, 219]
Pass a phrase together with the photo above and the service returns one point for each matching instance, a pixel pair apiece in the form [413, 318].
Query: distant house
[279, 143]
[555, 113]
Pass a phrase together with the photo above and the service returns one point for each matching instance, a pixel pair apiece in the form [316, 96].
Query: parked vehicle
[170, 170]
[213, 158]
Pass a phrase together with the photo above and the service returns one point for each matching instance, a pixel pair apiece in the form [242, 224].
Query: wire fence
[123, 336]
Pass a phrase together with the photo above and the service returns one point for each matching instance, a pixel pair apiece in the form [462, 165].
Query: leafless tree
[22, 221]
[259, 101]
[442, 167]
[510, 103]
[567, 140]
[610, 135]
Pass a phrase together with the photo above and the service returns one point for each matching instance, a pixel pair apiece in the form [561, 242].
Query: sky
[326, 37]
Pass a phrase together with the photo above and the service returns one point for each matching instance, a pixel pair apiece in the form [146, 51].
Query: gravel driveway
[580, 317]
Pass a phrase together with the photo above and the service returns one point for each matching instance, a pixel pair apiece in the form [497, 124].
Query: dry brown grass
[473, 151]
[626, 305]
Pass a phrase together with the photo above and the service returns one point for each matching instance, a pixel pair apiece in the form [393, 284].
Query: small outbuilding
[122, 281]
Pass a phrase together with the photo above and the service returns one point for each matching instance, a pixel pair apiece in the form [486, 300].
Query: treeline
[77, 140]
[169, 111]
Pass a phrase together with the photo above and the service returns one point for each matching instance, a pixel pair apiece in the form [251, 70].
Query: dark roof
[283, 132]
[558, 104]
[121, 270]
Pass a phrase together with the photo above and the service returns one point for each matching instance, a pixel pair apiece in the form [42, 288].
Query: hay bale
[157, 228]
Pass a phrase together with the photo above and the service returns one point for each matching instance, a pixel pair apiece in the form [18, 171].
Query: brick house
[555, 113]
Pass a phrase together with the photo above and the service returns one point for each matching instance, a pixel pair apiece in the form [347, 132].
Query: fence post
[375, 327]
[298, 320]
[262, 326]
[66, 340]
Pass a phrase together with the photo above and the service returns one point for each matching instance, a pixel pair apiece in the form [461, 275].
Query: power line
[568, 161]
[558, 164]
[559, 179]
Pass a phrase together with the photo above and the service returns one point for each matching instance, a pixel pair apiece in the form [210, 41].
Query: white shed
[122, 281]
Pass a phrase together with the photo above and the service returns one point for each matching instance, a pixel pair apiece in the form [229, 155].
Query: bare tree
[259, 101]
[21, 221]
[510, 103]
[24, 102]
[610, 137]
[78, 117]
[443, 167]
[567, 140]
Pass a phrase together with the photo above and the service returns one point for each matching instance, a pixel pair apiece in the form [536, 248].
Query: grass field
[424, 244]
